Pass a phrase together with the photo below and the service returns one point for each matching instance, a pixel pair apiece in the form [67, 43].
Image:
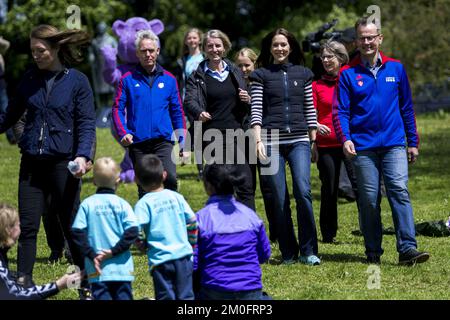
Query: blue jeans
[392, 163]
[298, 156]
[112, 290]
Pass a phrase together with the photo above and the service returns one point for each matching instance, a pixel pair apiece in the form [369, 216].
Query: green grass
[342, 274]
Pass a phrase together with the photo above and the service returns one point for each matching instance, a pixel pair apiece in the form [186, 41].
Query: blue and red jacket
[148, 107]
[374, 112]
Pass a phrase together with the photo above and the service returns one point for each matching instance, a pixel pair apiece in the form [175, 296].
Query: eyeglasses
[330, 57]
[369, 39]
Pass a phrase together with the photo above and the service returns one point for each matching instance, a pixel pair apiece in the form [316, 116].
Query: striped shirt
[257, 93]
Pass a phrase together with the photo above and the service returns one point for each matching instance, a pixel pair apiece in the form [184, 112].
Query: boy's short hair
[106, 172]
[8, 218]
[149, 171]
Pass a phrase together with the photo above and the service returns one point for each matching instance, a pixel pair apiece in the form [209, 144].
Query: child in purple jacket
[232, 242]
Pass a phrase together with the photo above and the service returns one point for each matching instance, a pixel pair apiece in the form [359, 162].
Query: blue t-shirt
[106, 217]
[163, 217]
[192, 63]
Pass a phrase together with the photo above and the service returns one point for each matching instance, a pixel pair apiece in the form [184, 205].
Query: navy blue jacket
[60, 124]
[283, 99]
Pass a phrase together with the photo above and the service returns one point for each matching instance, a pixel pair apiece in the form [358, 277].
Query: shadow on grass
[342, 257]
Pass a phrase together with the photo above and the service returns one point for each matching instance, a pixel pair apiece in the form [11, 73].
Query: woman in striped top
[284, 122]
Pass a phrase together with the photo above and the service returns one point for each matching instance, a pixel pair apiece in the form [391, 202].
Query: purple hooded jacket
[232, 242]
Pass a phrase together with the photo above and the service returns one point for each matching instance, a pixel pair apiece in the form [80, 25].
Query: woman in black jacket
[216, 95]
[59, 127]
[284, 121]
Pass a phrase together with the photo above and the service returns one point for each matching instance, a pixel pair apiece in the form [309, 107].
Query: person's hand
[349, 149]
[244, 96]
[204, 116]
[63, 282]
[82, 166]
[89, 166]
[261, 150]
[413, 153]
[127, 140]
[184, 157]
[101, 256]
[314, 153]
[323, 130]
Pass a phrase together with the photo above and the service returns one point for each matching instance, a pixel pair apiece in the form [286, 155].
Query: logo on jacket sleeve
[390, 79]
[161, 85]
[137, 85]
[360, 83]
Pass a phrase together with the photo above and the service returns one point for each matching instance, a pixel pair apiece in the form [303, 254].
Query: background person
[192, 56]
[59, 127]
[147, 109]
[330, 154]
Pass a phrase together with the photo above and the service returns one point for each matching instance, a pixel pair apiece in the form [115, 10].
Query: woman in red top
[333, 56]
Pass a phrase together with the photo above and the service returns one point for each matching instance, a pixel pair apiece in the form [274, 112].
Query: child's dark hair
[149, 171]
[222, 177]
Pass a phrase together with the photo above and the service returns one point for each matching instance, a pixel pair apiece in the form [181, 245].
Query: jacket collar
[358, 61]
[158, 70]
[103, 190]
[219, 197]
[278, 67]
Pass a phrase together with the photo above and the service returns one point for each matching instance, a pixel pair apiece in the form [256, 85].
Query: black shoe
[55, 256]
[25, 281]
[68, 255]
[373, 260]
[330, 240]
[412, 256]
[85, 294]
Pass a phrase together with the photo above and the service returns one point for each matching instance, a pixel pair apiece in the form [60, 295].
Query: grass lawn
[342, 275]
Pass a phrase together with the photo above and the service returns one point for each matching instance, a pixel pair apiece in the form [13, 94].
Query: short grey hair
[146, 34]
[218, 34]
[336, 48]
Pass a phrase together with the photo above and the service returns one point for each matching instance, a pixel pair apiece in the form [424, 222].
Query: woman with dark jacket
[59, 127]
[216, 96]
[284, 121]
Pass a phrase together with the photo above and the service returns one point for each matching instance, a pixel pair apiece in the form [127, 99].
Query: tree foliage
[415, 31]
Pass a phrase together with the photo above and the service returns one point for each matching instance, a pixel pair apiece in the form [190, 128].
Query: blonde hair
[200, 36]
[106, 172]
[248, 53]
[218, 34]
[8, 218]
[337, 49]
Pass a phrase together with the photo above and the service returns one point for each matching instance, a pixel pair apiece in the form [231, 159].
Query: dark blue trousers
[112, 290]
[173, 280]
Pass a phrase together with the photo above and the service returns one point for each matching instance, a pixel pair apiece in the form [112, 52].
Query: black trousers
[53, 230]
[233, 152]
[329, 165]
[38, 179]
[163, 150]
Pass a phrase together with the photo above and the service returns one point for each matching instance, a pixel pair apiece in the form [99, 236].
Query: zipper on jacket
[286, 102]
[41, 138]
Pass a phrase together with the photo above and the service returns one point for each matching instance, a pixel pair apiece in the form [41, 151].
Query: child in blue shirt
[104, 229]
[170, 230]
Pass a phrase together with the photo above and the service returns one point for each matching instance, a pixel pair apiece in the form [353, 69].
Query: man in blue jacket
[372, 114]
[147, 109]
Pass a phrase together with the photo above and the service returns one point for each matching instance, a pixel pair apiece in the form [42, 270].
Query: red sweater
[323, 91]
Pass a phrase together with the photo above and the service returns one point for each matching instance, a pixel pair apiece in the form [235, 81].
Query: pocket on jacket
[60, 140]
